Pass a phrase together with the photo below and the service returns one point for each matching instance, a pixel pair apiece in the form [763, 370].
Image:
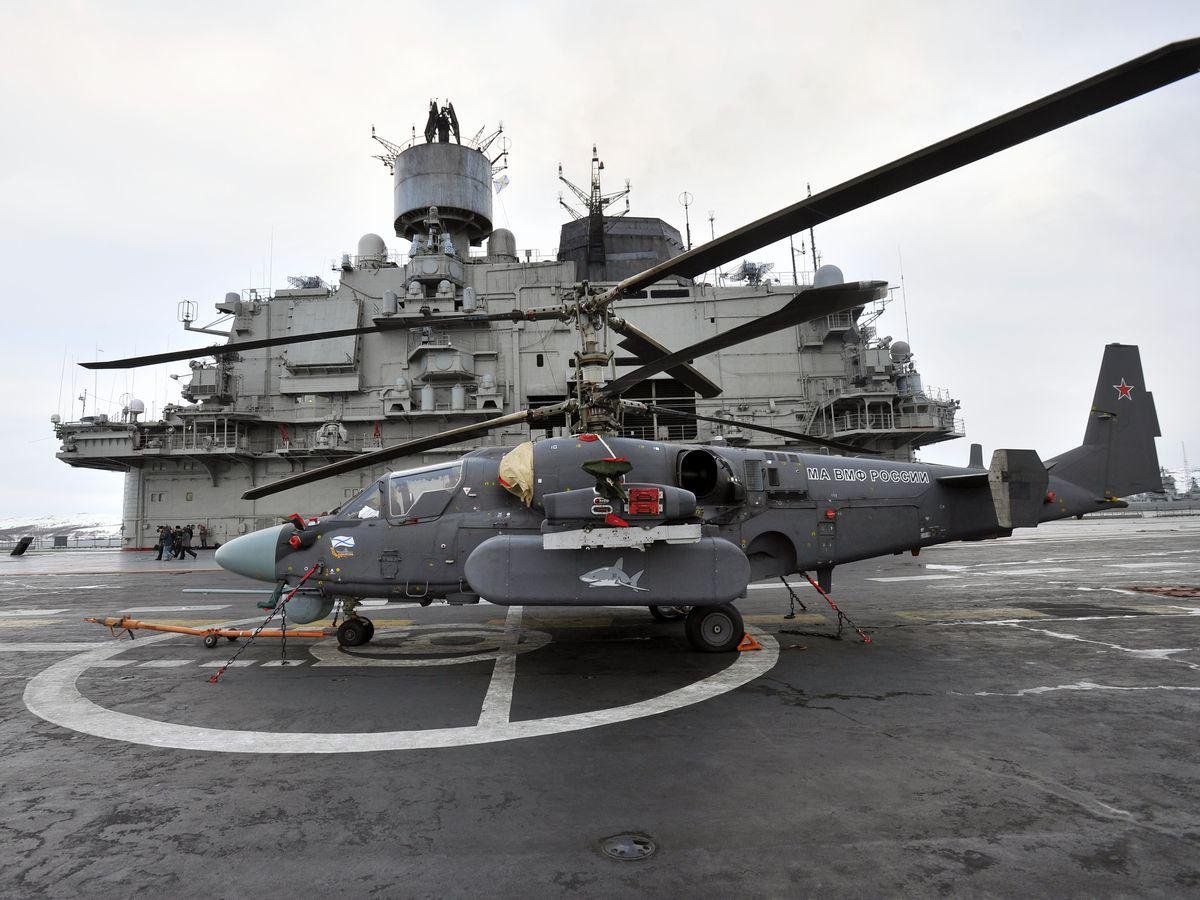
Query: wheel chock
[748, 643]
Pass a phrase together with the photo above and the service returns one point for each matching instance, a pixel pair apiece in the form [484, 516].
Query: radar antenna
[594, 203]
[753, 273]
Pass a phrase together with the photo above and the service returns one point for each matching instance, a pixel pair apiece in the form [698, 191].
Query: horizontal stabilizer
[968, 479]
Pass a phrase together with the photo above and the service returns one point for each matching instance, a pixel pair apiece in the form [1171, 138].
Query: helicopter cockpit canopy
[405, 489]
[396, 495]
[367, 505]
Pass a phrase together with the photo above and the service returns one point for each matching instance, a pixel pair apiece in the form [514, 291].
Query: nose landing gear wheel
[355, 632]
[714, 629]
[668, 613]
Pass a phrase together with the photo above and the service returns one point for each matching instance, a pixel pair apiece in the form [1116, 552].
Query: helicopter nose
[253, 554]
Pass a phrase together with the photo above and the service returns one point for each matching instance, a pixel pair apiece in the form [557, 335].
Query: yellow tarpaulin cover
[516, 472]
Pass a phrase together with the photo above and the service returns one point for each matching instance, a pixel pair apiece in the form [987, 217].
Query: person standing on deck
[186, 546]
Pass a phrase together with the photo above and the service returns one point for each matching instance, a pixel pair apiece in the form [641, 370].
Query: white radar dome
[827, 275]
[371, 246]
[900, 351]
[502, 243]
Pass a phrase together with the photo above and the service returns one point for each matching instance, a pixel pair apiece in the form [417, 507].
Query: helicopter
[596, 519]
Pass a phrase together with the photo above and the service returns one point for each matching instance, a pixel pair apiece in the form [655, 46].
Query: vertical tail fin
[1118, 457]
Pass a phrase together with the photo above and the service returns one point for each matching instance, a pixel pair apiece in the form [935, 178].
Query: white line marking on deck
[1166, 654]
[23, 613]
[914, 578]
[498, 702]
[285, 662]
[226, 591]
[1087, 686]
[50, 647]
[1142, 565]
[53, 695]
[1008, 572]
[165, 663]
[157, 609]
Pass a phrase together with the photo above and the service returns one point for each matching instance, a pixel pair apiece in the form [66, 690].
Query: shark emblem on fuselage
[612, 576]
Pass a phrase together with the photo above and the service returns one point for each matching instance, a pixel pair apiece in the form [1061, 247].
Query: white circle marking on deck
[53, 695]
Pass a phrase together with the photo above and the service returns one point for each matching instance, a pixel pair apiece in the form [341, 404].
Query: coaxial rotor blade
[134, 362]
[398, 323]
[647, 349]
[804, 306]
[750, 426]
[1100, 92]
[407, 448]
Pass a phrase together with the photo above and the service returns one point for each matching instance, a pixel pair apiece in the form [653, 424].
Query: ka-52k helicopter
[595, 519]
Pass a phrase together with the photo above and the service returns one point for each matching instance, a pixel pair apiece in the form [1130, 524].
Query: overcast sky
[151, 152]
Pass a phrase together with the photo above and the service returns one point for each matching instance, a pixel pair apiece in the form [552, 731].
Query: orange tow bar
[210, 635]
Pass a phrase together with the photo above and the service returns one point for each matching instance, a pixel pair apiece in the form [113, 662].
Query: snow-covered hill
[76, 525]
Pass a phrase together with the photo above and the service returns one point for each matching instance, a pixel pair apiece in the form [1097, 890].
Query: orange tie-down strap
[117, 624]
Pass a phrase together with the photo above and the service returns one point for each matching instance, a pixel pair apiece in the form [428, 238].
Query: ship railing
[395, 148]
[932, 421]
[66, 542]
[309, 444]
[187, 443]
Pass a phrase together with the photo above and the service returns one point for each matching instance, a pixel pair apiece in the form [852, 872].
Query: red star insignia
[1123, 390]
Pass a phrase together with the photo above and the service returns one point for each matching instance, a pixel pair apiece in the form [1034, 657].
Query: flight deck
[1025, 714]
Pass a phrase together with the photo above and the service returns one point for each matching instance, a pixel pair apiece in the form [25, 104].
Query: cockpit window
[367, 505]
[406, 488]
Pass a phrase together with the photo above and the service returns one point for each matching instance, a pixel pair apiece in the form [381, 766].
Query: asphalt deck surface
[1024, 722]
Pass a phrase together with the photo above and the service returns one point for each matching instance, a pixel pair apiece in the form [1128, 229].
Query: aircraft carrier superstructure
[252, 418]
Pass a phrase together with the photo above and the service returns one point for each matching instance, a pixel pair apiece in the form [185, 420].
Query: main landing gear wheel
[355, 632]
[668, 613]
[714, 629]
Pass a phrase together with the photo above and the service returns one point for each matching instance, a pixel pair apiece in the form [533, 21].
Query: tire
[370, 631]
[352, 633]
[210, 640]
[715, 629]
[668, 613]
